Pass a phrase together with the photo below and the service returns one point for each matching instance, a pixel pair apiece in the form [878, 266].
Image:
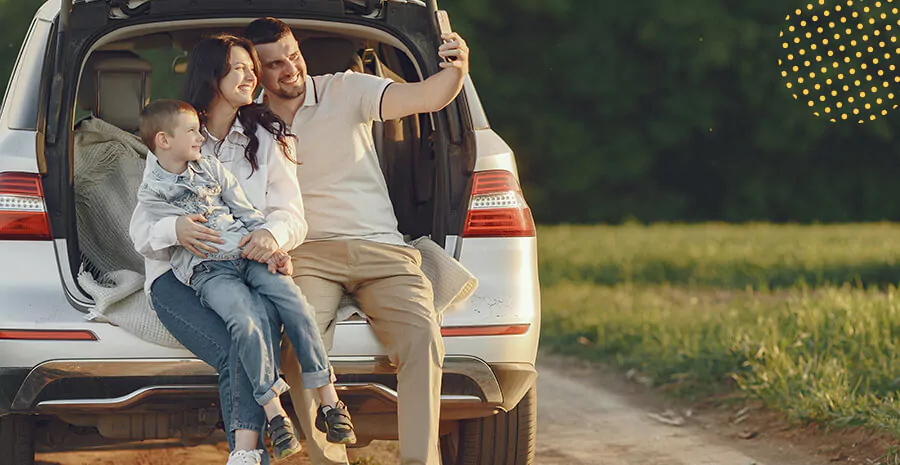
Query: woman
[254, 144]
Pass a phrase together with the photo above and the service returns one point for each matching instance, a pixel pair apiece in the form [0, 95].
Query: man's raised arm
[434, 93]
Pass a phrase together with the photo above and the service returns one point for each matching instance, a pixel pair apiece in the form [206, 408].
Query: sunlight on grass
[732, 256]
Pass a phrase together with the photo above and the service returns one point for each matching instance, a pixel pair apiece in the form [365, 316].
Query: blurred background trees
[15, 17]
[662, 110]
[653, 110]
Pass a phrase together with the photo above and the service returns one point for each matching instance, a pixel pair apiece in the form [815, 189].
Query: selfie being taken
[375, 232]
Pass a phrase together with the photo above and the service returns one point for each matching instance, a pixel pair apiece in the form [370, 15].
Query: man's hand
[195, 237]
[260, 245]
[455, 48]
[434, 93]
[280, 262]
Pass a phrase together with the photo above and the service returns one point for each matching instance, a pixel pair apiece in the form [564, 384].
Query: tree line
[653, 110]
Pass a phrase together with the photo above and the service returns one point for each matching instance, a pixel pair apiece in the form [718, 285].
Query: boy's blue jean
[225, 287]
[203, 333]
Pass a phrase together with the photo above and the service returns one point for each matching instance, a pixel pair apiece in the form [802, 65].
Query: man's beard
[292, 93]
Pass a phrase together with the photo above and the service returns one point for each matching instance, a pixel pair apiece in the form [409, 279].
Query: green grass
[759, 255]
[804, 318]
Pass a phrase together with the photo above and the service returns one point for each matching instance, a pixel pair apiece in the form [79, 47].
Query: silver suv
[64, 378]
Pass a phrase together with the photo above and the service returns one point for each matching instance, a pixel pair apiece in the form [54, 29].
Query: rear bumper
[471, 387]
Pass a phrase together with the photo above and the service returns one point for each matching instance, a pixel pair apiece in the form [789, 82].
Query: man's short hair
[160, 116]
[266, 30]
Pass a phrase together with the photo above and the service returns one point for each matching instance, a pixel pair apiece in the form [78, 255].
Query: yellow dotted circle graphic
[827, 40]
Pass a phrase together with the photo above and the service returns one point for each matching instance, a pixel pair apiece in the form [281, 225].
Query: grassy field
[733, 257]
[805, 318]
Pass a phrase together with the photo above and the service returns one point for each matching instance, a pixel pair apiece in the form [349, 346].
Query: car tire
[17, 440]
[503, 439]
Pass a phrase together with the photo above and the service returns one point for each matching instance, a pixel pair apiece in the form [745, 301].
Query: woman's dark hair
[207, 66]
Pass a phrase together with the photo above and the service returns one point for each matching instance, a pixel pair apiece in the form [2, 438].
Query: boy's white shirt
[272, 189]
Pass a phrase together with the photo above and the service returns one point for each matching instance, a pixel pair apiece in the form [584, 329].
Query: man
[353, 244]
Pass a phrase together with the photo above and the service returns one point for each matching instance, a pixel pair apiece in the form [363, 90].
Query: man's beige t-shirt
[344, 191]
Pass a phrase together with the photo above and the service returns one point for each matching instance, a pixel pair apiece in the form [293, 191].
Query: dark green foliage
[653, 109]
[15, 18]
[662, 110]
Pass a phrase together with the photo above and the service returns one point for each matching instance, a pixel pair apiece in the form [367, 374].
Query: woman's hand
[260, 245]
[195, 237]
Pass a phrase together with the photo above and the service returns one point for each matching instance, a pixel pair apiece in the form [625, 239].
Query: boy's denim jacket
[207, 188]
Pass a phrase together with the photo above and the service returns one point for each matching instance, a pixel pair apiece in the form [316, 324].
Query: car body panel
[17, 151]
[494, 153]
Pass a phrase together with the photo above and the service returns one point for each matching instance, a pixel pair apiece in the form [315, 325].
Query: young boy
[185, 182]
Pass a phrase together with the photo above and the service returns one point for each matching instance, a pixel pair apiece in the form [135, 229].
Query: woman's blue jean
[203, 332]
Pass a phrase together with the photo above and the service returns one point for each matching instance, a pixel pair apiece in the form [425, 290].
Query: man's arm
[434, 93]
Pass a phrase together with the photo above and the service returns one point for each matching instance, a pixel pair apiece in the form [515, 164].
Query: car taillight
[491, 330]
[23, 215]
[47, 335]
[497, 207]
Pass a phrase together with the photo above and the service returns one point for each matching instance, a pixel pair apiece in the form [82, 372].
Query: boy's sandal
[284, 442]
[335, 422]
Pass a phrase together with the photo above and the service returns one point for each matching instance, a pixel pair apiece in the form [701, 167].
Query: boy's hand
[260, 245]
[287, 268]
[280, 262]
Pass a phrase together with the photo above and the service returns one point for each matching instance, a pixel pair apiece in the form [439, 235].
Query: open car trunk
[110, 61]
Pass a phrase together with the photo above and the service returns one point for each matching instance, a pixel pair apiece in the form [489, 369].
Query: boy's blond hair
[158, 117]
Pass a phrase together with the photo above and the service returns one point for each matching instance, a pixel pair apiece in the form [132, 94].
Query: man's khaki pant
[388, 284]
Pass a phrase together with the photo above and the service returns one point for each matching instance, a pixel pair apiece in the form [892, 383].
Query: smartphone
[443, 22]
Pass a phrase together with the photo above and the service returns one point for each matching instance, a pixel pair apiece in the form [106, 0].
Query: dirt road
[586, 415]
